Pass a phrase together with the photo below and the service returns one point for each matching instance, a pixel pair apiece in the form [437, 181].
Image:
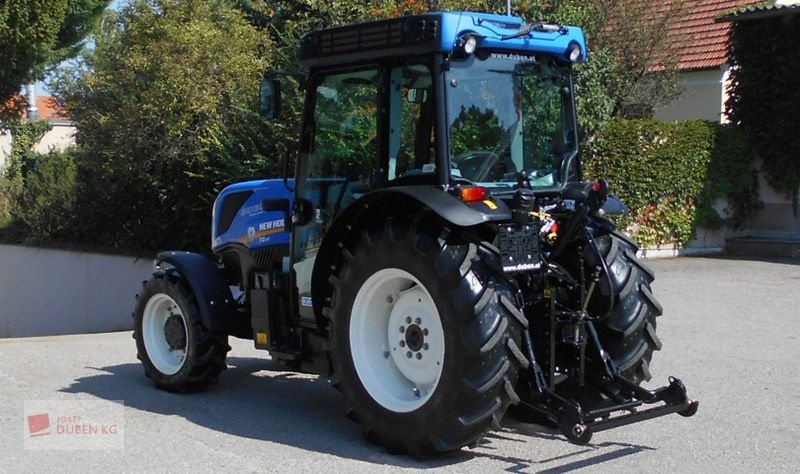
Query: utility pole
[508, 7]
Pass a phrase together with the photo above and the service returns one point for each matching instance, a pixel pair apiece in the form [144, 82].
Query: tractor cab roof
[440, 32]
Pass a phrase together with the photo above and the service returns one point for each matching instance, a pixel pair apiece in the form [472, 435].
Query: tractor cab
[469, 103]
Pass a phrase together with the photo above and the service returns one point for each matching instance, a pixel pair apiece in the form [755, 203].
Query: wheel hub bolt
[402, 343]
[425, 332]
[408, 319]
[419, 355]
[425, 346]
[402, 329]
[408, 354]
[418, 321]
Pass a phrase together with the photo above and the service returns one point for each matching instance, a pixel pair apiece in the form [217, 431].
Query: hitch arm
[578, 424]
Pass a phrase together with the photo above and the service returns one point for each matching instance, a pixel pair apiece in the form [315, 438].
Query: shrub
[670, 174]
[47, 202]
[166, 116]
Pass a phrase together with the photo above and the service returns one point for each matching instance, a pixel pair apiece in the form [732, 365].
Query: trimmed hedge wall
[670, 175]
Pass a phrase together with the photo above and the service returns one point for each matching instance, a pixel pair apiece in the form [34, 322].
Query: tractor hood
[252, 213]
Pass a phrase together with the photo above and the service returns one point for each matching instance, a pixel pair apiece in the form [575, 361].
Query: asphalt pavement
[731, 332]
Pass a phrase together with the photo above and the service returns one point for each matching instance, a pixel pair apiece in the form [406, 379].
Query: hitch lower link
[578, 425]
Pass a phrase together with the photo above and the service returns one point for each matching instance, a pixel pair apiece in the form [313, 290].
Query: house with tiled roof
[702, 54]
[701, 40]
[59, 137]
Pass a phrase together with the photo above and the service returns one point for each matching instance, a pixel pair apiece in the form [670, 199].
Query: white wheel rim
[157, 311]
[396, 340]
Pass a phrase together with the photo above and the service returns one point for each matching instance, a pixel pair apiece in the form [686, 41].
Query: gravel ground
[731, 331]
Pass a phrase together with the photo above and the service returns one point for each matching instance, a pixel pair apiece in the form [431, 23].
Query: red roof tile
[702, 42]
[48, 108]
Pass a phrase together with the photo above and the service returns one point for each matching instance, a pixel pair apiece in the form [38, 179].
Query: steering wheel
[486, 161]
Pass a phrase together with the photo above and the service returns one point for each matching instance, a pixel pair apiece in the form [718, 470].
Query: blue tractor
[435, 255]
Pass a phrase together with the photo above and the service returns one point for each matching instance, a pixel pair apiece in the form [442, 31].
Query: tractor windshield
[509, 113]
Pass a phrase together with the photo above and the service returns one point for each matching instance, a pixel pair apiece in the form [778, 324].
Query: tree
[166, 114]
[36, 34]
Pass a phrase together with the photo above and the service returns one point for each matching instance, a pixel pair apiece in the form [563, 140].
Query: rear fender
[211, 291]
[394, 201]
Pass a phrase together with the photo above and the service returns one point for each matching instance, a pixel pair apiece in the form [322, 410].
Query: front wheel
[425, 341]
[177, 352]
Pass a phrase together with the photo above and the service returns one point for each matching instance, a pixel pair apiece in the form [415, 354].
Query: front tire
[425, 340]
[177, 352]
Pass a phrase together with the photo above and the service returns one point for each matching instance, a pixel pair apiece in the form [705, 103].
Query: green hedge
[670, 174]
[38, 191]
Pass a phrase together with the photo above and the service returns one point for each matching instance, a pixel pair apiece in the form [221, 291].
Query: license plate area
[519, 248]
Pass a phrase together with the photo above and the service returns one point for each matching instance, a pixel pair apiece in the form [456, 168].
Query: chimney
[33, 111]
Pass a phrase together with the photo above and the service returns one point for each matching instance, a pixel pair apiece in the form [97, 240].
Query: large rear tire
[177, 352]
[425, 340]
[629, 331]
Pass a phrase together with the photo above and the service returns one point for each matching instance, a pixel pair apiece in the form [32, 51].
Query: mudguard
[409, 199]
[450, 208]
[213, 296]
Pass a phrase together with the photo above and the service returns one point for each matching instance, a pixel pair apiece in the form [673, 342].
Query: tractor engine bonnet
[254, 213]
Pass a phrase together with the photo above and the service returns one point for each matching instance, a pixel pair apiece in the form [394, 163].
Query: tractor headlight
[574, 52]
[467, 44]
[470, 43]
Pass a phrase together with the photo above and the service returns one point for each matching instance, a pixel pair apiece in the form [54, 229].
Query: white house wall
[59, 138]
[5, 148]
[702, 97]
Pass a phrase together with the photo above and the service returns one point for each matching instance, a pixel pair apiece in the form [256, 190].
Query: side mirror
[417, 96]
[270, 98]
[303, 212]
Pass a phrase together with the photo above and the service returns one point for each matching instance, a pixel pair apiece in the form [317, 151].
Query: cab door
[340, 162]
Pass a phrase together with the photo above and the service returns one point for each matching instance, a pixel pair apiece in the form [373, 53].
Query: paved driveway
[731, 330]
